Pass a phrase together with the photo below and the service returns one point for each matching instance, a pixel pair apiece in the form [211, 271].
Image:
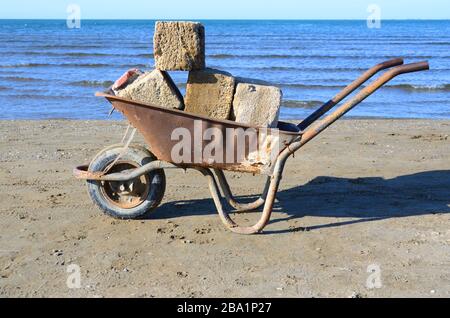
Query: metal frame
[216, 177]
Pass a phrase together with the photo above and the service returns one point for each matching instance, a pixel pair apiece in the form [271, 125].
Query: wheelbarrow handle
[410, 68]
[309, 134]
[348, 90]
[312, 132]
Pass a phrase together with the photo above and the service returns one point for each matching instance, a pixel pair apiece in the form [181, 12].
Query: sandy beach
[365, 193]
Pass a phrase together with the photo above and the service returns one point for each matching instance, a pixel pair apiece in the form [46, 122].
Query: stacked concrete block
[155, 88]
[256, 103]
[179, 46]
[210, 92]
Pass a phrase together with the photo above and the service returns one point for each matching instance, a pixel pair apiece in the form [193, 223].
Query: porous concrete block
[256, 103]
[179, 46]
[155, 88]
[210, 93]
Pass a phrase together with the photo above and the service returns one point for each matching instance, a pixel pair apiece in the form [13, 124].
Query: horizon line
[226, 19]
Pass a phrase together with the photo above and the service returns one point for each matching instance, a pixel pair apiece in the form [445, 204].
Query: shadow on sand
[363, 200]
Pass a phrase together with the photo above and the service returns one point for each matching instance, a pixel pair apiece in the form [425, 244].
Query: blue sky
[228, 9]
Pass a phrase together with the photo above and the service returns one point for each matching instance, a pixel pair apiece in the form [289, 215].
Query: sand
[367, 194]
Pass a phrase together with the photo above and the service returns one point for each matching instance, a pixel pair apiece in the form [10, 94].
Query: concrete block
[156, 88]
[210, 92]
[256, 103]
[179, 46]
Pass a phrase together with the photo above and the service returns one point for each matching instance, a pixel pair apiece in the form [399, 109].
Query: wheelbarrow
[128, 181]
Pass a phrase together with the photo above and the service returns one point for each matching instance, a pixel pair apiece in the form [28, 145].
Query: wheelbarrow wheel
[131, 199]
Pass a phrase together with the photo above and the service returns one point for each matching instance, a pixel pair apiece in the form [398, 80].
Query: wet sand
[365, 194]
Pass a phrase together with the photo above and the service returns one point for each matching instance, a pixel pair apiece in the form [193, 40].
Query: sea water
[48, 70]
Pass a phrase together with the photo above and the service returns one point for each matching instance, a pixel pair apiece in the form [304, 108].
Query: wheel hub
[127, 194]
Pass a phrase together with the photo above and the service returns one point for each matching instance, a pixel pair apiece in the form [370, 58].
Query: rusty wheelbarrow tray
[157, 125]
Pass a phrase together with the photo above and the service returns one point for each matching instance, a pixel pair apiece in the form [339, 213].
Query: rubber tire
[140, 156]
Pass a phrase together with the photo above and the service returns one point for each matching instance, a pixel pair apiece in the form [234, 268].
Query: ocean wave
[146, 55]
[301, 104]
[88, 46]
[270, 56]
[72, 65]
[23, 65]
[68, 46]
[404, 87]
[222, 56]
[311, 56]
[436, 43]
[294, 68]
[79, 54]
[2, 88]
[421, 88]
[273, 68]
[104, 84]
[310, 86]
[36, 97]
[34, 53]
[21, 79]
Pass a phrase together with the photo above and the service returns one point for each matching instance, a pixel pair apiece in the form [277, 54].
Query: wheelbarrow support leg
[240, 207]
[268, 205]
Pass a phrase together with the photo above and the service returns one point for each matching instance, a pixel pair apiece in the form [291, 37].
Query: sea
[51, 71]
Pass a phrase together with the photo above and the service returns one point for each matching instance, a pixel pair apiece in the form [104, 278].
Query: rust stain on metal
[83, 173]
[156, 124]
